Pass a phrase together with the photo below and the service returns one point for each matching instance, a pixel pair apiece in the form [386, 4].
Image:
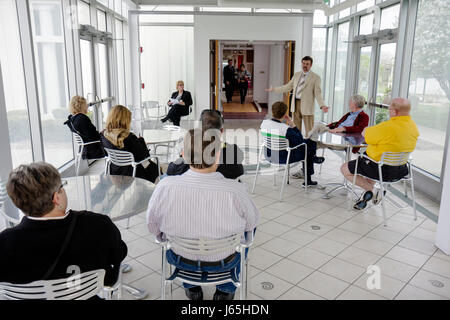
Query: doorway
[241, 70]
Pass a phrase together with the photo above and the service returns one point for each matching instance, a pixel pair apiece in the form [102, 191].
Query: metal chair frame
[390, 159]
[81, 145]
[204, 247]
[277, 144]
[78, 287]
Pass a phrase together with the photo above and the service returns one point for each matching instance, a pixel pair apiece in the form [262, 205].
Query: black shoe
[318, 159]
[220, 295]
[195, 293]
[362, 202]
[164, 119]
[310, 183]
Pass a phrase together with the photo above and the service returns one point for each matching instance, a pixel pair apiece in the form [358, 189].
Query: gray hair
[359, 100]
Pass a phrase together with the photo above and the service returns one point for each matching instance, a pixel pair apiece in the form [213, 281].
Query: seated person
[202, 203]
[354, 121]
[398, 134]
[117, 135]
[275, 126]
[29, 250]
[180, 107]
[78, 122]
[231, 156]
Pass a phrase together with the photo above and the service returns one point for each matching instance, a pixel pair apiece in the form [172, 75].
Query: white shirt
[301, 85]
[196, 205]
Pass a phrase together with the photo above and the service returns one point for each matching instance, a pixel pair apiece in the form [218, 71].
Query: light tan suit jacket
[311, 90]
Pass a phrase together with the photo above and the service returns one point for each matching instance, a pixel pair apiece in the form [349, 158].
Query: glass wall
[164, 61]
[14, 84]
[429, 87]
[339, 105]
[49, 48]
[121, 98]
[319, 40]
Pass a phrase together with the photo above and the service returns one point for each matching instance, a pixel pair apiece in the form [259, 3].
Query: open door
[214, 74]
[289, 56]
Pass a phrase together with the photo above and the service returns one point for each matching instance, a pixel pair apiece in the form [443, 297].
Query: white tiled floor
[307, 247]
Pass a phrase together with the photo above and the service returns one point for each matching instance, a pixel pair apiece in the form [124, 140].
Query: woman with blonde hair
[180, 104]
[78, 122]
[117, 135]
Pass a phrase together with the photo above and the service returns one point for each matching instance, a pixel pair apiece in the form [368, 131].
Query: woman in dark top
[180, 107]
[29, 251]
[78, 122]
[117, 135]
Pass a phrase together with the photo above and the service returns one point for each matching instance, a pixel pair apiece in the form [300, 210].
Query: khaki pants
[308, 120]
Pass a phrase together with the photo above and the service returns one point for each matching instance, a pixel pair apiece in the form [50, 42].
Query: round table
[119, 197]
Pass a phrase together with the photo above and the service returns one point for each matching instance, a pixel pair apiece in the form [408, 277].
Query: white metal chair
[204, 246]
[277, 144]
[80, 145]
[391, 159]
[170, 145]
[152, 110]
[77, 287]
[124, 158]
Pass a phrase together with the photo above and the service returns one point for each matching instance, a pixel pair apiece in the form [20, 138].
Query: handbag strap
[63, 247]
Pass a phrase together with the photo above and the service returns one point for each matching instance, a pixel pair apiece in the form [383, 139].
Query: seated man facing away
[354, 121]
[201, 203]
[50, 239]
[398, 134]
[276, 127]
[231, 156]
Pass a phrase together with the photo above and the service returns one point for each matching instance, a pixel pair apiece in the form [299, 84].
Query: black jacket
[187, 98]
[29, 249]
[228, 74]
[138, 148]
[230, 165]
[81, 124]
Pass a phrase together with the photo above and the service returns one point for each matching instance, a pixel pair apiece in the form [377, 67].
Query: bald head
[399, 107]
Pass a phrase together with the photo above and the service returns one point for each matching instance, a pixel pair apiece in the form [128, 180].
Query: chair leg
[128, 223]
[77, 165]
[257, 171]
[163, 275]
[284, 181]
[274, 176]
[288, 169]
[134, 171]
[406, 189]
[413, 195]
[383, 206]
[242, 276]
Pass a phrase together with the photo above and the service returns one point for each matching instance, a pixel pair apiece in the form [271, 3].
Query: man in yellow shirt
[398, 134]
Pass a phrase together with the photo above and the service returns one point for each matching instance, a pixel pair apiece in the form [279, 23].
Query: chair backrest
[170, 127]
[77, 287]
[274, 142]
[119, 157]
[147, 106]
[395, 158]
[78, 139]
[205, 246]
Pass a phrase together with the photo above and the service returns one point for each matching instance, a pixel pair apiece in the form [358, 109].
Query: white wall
[261, 72]
[238, 27]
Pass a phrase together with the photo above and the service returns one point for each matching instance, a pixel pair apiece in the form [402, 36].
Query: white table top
[155, 136]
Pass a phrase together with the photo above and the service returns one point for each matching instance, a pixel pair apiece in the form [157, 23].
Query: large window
[49, 48]
[429, 89]
[328, 86]
[164, 61]
[339, 104]
[318, 55]
[120, 63]
[14, 85]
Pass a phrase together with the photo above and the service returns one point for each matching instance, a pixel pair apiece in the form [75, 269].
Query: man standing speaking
[306, 87]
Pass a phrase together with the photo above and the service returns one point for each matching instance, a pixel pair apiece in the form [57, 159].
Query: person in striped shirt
[202, 203]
